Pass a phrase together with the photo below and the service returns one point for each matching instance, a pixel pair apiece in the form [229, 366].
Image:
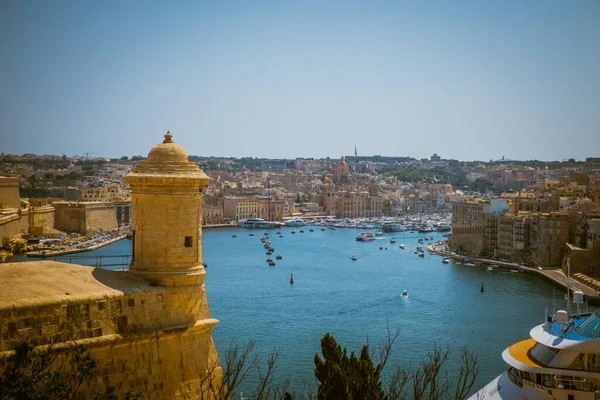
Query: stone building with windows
[468, 223]
[149, 327]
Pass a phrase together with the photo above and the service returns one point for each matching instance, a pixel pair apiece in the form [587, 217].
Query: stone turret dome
[168, 151]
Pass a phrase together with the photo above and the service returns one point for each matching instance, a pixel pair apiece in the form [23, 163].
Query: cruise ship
[560, 361]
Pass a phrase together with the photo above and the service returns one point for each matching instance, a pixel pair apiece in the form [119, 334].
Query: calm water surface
[356, 300]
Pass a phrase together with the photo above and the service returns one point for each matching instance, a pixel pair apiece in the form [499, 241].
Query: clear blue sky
[464, 79]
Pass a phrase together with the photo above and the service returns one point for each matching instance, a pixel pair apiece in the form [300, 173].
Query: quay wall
[555, 276]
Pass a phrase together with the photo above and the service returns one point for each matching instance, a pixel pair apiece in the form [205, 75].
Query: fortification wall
[69, 217]
[42, 220]
[100, 217]
[144, 339]
[9, 227]
[9, 192]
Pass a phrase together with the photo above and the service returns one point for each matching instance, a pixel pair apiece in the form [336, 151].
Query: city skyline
[465, 80]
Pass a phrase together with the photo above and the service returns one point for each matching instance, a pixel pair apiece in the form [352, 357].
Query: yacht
[256, 223]
[365, 237]
[560, 360]
[379, 233]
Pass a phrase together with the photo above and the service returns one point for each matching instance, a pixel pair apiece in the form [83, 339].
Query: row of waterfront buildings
[548, 225]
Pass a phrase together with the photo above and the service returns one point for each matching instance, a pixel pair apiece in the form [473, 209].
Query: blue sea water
[357, 300]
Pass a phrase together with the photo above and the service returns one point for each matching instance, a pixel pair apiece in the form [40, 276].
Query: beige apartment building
[348, 204]
[236, 208]
[107, 193]
[271, 210]
[549, 234]
[468, 223]
[212, 212]
[507, 236]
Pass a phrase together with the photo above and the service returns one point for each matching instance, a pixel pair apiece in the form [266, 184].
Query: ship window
[188, 241]
[543, 354]
[589, 327]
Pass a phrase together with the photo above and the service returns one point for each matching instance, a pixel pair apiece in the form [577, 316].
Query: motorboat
[379, 233]
[392, 240]
[469, 264]
[365, 237]
[445, 260]
[421, 255]
[401, 246]
[405, 293]
[559, 360]
[278, 256]
[256, 223]
[353, 258]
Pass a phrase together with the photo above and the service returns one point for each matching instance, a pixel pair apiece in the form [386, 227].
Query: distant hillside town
[533, 211]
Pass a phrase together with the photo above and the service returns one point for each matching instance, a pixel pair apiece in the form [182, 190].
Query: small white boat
[469, 264]
[405, 294]
[401, 246]
[353, 258]
[379, 233]
[445, 260]
[393, 240]
[489, 269]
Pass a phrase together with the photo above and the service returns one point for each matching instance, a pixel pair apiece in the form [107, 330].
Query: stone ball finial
[168, 137]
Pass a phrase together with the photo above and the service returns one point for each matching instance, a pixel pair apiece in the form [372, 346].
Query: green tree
[346, 377]
[350, 377]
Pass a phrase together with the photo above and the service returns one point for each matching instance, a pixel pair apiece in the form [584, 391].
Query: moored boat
[256, 223]
[445, 260]
[365, 237]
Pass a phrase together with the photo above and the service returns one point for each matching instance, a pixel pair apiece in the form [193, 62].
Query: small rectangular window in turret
[188, 241]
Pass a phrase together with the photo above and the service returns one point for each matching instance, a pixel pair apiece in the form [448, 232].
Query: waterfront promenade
[556, 275]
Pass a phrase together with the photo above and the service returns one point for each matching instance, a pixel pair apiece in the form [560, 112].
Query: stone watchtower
[149, 327]
[166, 199]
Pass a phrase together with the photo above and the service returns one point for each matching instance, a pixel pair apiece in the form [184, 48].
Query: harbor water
[357, 300]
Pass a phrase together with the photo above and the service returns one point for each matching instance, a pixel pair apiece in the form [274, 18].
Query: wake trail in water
[367, 306]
